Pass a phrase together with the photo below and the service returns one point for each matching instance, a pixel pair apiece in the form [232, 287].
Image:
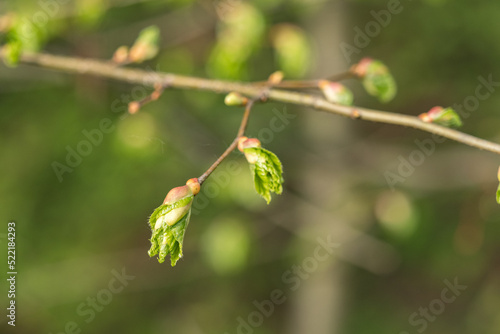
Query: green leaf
[167, 237]
[379, 82]
[267, 172]
[498, 194]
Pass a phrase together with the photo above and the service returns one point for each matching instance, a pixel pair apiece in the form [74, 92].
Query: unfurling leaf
[146, 45]
[442, 116]
[377, 79]
[265, 166]
[336, 92]
[240, 34]
[169, 222]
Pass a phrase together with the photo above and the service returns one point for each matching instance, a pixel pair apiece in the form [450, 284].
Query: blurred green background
[396, 248]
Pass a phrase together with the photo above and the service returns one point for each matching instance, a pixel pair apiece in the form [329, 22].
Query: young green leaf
[235, 99]
[146, 45]
[267, 171]
[377, 79]
[443, 116]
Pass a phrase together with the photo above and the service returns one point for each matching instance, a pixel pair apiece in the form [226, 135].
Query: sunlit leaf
[377, 79]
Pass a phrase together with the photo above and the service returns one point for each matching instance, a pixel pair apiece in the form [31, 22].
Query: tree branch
[108, 70]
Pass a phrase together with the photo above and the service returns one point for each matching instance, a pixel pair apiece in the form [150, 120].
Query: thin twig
[234, 144]
[104, 69]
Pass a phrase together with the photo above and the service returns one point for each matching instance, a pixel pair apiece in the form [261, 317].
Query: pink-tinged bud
[177, 194]
[245, 142]
[360, 68]
[240, 143]
[434, 112]
[121, 55]
[275, 78]
[442, 116]
[194, 185]
[133, 107]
